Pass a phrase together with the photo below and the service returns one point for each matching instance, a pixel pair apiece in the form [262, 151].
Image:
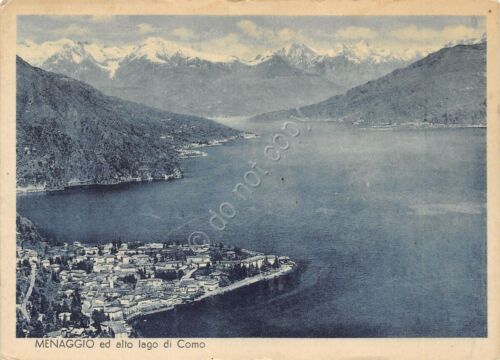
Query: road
[30, 290]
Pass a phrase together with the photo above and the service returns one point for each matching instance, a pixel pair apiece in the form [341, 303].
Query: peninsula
[82, 290]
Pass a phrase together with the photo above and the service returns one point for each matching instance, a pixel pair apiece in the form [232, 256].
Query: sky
[247, 36]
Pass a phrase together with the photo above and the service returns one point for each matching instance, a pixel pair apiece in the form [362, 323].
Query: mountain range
[69, 133]
[445, 87]
[176, 78]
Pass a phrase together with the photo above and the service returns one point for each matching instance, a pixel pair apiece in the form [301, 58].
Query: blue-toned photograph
[251, 177]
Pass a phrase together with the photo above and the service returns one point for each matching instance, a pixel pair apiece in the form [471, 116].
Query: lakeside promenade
[283, 270]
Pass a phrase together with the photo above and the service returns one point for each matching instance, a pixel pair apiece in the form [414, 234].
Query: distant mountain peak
[362, 51]
[304, 57]
[36, 54]
[297, 54]
[161, 51]
[407, 96]
[296, 49]
[74, 52]
[467, 41]
[187, 79]
[66, 52]
[357, 52]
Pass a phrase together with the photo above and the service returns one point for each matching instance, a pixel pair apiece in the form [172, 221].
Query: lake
[388, 227]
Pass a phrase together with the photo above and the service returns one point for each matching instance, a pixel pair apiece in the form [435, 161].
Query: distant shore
[366, 125]
[184, 153]
[41, 189]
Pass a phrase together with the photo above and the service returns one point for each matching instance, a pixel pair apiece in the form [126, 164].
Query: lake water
[388, 227]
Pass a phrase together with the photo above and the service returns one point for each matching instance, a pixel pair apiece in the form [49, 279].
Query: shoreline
[186, 152]
[39, 190]
[361, 125]
[284, 270]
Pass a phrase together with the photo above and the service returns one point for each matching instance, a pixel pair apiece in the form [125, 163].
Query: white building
[114, 313]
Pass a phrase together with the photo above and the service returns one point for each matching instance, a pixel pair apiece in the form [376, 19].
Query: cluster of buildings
[122, 281]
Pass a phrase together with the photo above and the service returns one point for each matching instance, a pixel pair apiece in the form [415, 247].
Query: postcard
[249, 179]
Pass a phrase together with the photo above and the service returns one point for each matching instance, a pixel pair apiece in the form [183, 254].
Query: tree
[65, 307]
[216, 256]
[89, 267]
[98, 317]
[129, 279]
[224, 281]
[180, 274]
[238, 272]
[84, 265]
[19, 329]
[44, 304]
[166, 275]
[265, 264]
[276, 263]
[50, 315]
[252, 270]
[76, 315]
[65, 322]
[77, 299]
[37, 331]
[33, 312]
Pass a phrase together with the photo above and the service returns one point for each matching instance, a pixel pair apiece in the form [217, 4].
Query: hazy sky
[247, 36]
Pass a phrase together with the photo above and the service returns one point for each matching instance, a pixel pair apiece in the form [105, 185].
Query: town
[81, 290]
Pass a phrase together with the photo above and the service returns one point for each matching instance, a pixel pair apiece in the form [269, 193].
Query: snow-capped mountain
[195, 85]
[66, 52]
[175, 77]
[347, 65]
[74, 58]
[418, 93]
[161, 51]
[467, 41]
[302, 56]
[298, 55]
